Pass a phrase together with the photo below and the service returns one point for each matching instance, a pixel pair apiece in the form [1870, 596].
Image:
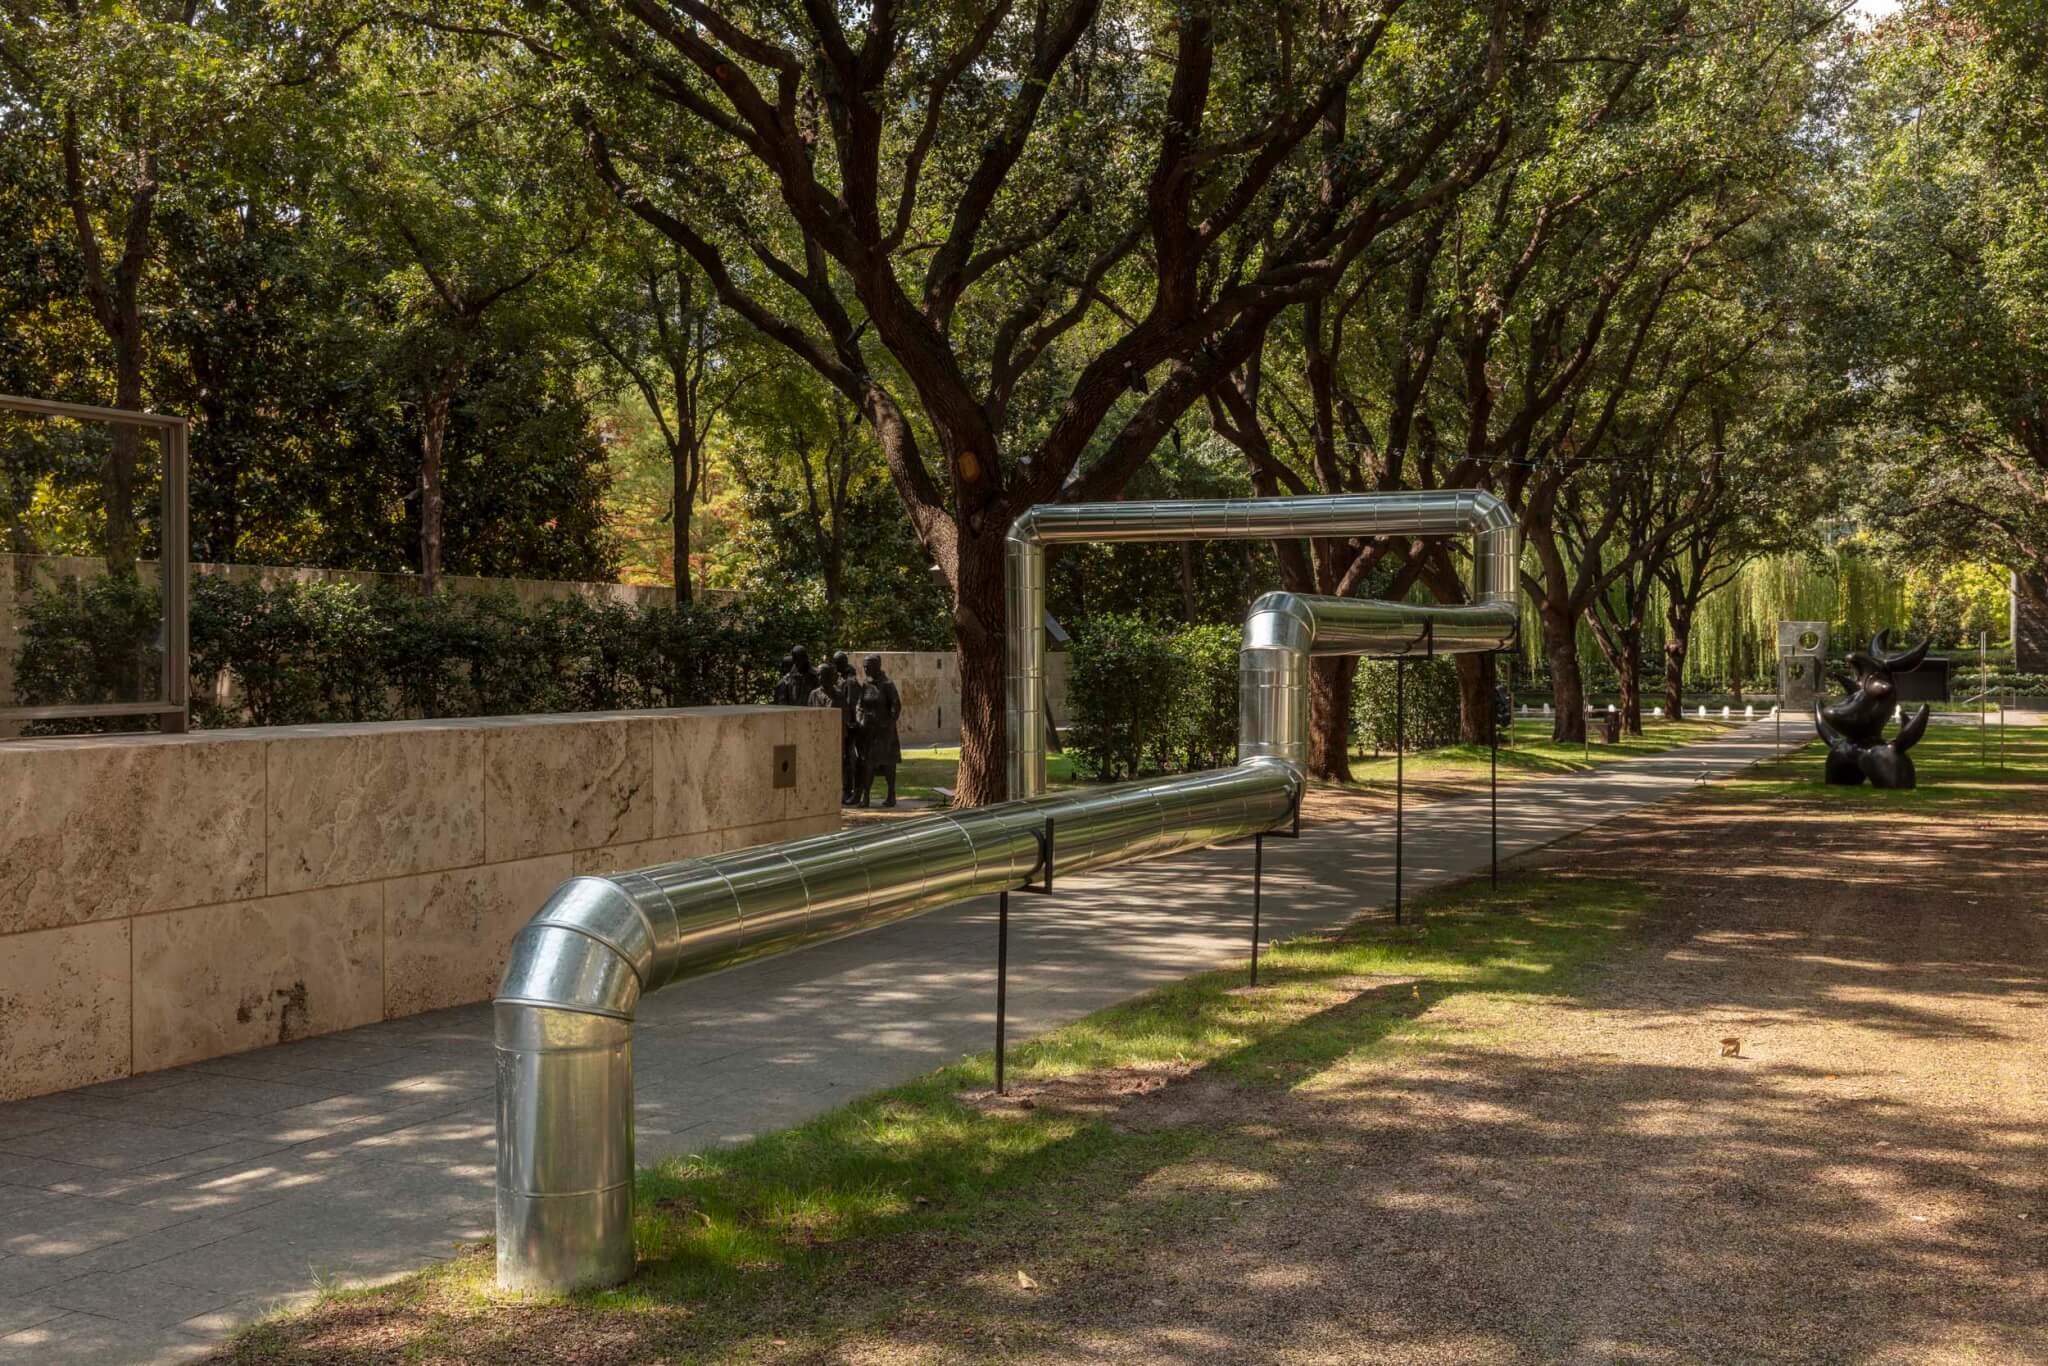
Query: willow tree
[1021, 238]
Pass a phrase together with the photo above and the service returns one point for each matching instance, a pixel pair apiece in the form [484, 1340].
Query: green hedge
[298, 652]
[1432, 704]
[89, 643]
[1202, 731]
[1146, 699]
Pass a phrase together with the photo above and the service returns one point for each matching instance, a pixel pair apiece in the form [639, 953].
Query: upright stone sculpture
[1802, 662]
[1854, 727]
[880, 749]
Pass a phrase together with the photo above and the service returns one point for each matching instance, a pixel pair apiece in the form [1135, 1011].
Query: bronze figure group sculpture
[869, 710]
[1854, 727]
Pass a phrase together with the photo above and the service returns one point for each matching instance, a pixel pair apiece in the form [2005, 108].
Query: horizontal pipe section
[1496, 557]
[565, 1008]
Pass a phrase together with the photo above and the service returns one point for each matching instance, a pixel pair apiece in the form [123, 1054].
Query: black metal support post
[1293, 832]
[1258, 877]
[1400, 745]
[1043, 887]
[1493, 797]
[1002, 980]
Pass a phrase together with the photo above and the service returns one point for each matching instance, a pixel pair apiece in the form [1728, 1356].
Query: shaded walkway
[142, 1219]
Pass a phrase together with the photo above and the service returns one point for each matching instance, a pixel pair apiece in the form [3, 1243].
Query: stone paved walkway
[142, 1220]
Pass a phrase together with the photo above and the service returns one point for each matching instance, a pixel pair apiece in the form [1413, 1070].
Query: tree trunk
[680, 574]
[1329, 730]
[978, 631]
[433, 497]
[1632, 682]
[1677, 640]
[1477, 674]
[1567, 684]
[117, 472]
[1477, 678]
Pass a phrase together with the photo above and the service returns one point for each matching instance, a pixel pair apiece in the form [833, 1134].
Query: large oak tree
[1023, 239]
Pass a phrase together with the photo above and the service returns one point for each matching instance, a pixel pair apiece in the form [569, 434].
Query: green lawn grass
[1531, 753]
[924, 771]
[778, 1239]
[1956, 765]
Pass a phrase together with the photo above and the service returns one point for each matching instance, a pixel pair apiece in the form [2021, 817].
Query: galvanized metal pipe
[1380, 628]
[564, 1011]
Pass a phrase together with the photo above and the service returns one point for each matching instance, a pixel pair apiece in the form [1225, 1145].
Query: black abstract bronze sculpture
[1854, 726]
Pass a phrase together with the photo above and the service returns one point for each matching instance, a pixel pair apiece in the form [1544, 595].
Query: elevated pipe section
[564, 1011]
[1380, 628]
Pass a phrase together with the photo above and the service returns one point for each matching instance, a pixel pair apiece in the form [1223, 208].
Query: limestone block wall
[930, 683]
[174, 898]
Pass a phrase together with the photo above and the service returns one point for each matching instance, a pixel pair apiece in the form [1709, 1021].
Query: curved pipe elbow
[592, 949]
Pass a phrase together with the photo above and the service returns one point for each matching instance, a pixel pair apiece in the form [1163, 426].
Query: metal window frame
[174, 568]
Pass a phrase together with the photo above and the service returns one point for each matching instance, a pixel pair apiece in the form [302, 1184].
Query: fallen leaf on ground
[1731, 1047]
[1024, 1280]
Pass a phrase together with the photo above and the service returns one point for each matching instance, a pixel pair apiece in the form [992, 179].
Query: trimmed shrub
[1432, 703]
[301, 652]
[295, 653]
[1146, 699]
[1203, 726]
[89, 642]
[1121, 688]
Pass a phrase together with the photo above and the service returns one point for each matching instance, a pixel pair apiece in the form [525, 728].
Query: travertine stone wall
[173, 898]
[930, 683]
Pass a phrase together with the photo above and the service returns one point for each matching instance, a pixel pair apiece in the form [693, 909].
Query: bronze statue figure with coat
[880, 749]
[847, 692]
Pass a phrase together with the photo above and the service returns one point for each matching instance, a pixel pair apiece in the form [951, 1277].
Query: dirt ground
[1860, 1176]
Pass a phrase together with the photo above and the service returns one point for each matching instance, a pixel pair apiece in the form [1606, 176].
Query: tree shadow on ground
[1865, 1180]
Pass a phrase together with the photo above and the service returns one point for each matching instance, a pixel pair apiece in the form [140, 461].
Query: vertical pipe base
[565, 1149]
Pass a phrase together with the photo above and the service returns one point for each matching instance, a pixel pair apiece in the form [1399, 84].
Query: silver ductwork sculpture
[1367, 627]
[564, 1011]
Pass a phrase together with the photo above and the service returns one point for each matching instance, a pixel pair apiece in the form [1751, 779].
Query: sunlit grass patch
[1530, 752]
[1955, 765]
